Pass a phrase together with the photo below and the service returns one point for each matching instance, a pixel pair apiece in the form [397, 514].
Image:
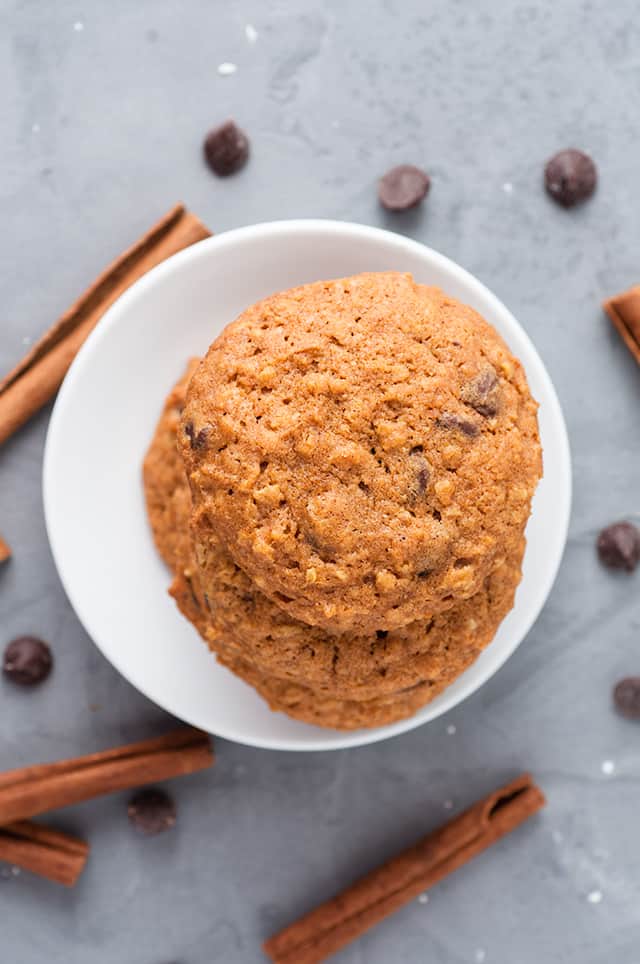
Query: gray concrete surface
[102, 109]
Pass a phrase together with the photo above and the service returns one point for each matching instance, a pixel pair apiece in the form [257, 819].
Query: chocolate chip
[482, 392]
[570, 177]
[152, 811]
[420, 473]
[189, 582]
[449, 420]
[619, 546]
[382, 633]
[198, 440]
[626, 696]
[27, 661]
[226, 149]
[403, 187]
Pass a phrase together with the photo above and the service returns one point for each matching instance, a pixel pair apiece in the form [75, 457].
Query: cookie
[357, 668]
[365, 450]
[305, 703]
[348, 664]
[341, 681]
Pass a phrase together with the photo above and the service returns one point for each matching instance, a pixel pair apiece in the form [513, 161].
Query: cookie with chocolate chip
[365, 450]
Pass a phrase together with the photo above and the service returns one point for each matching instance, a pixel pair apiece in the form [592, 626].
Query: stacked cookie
[345, 506]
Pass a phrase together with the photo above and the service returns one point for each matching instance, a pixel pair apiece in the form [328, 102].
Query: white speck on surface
[451, 729]
[239, 770]
[481, 955]
[335, 124]
[26, 340]
[250, 33]
[226, 69]
[557, 837]
[608, 767]
[15, 871]
[423, 899]
[448, 805]
[507, 187]
[594, 897]
[35, 128]
[78, 26]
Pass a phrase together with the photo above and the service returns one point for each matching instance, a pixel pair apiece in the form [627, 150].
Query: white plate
[103, 421]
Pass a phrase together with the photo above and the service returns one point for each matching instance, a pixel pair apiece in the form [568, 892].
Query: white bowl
[104, 418]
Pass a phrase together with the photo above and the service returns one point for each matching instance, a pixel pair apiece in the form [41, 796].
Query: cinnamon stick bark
[48, 853]
[32, 790]
[624, 312]
[330, 927]
[5, 551]
[36, 379]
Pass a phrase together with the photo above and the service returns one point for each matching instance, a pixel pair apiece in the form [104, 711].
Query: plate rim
[346, 739]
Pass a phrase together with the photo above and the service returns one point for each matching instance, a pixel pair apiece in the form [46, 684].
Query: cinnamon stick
[36, 379]
[5, 551]
[32, 790]
[48, 853]
[330, 927]
[624, 312]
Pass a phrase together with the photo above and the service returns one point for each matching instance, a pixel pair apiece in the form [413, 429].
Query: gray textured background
[102, 110]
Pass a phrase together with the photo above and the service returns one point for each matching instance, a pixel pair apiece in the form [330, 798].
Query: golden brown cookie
[306, 703]
[339, 681]
[366, 451]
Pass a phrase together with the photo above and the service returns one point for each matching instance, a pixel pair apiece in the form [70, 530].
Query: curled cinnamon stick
[46, 852]
[5, 551]
[32, 790]
[36, 379]
[624, 312]
[331, 926]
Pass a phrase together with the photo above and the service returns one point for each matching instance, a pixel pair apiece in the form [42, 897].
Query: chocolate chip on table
[152, 811]
[482, 393]
[619, 546]
[570, 177]
[449, 420]
[626, 697]
[27, 661]
[403, 187]
[226, 149]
